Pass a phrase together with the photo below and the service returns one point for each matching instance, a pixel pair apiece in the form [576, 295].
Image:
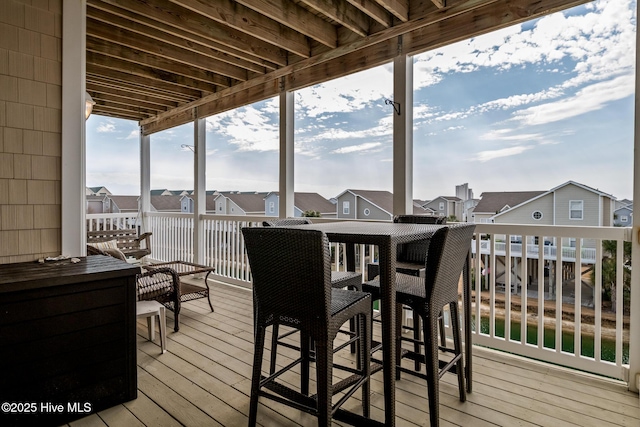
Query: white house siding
[523, 214]
[591, 206]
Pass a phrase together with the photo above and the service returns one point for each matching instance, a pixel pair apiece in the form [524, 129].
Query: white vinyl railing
[112, 221]
[564, 321]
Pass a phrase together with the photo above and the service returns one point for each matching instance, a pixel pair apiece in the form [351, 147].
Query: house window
[272, 207]
[345, 208]
[575, 209]
[367, 212]
[537, 215]
[624, 218]
[441, 206]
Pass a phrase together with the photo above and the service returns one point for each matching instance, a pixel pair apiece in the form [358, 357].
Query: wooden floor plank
[204, 379]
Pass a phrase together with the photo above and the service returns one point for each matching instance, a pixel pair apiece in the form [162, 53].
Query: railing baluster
[577, 293]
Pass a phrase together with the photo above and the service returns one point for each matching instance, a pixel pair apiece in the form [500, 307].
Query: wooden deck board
[204, 379]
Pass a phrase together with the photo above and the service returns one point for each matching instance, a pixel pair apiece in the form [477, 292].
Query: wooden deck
[204, 379]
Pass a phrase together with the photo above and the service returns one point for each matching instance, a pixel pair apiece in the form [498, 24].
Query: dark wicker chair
[162, 285]
[410, 256]
[339, 279]
[448, 251]
[292, 287]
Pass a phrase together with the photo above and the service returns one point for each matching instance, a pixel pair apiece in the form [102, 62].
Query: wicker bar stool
[292, 287]
[427, 296]
[339, 280]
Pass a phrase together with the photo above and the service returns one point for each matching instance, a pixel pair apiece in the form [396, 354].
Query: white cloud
[367, 146]
[485, 156]
[134, 134]
[248, 128]
[108, 127]
[591, 98]
[347, 94]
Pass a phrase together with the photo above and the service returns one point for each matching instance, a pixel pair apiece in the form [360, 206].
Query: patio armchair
[290, 269]
[339, 279]
[426, 296]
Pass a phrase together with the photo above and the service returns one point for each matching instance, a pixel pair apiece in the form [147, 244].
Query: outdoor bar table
[386, 236]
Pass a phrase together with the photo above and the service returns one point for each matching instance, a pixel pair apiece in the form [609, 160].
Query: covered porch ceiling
[164, 63]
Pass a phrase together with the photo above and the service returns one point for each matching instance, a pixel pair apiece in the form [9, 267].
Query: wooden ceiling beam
[114, 101]
[251, 22]
[175, 16]
[297, 18]
[193, 34]
[146, 100]
[148, 85]
[142, 71]
[234, 65]
[186, 76]
[122, 37]
[138, 89]
[399, 8]
[120, 110]
[343, 13]
[374, 11]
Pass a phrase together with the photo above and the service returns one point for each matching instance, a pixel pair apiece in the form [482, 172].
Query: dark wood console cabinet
[67, 339]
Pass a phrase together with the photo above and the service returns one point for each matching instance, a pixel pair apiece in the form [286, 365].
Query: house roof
[166, 203]
[167, 62]
[248, 202]
[494, 202]
[125, 203]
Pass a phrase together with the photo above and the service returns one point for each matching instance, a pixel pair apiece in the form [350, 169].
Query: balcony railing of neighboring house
[583, 335]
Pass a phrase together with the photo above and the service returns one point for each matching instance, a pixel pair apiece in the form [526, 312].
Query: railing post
[634, 321]
[144, 204]
[200, 205]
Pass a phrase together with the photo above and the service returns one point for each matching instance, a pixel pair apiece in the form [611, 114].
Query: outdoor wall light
[88, 105]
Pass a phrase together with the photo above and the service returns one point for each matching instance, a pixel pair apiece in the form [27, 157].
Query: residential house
[570, 203]
[240, 203]
[97, 191]
[445, 206]
[368, 204]
[492, 203]
[623, 216]
[302, 202]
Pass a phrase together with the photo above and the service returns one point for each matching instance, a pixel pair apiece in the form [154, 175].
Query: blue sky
[525, 108]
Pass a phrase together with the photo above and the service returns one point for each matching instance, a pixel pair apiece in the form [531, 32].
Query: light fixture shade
[88, 106]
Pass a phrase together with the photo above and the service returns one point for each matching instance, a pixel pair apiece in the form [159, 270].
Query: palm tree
[609, 270]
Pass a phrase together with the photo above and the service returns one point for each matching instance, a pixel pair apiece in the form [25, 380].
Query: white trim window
[441, 206]
[367, 211]
[624, 218]
[576, 209]
[272, 207]
[345, 208]
[537, 215]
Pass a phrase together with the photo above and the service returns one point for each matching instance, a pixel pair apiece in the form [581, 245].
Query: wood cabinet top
[32, 275]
